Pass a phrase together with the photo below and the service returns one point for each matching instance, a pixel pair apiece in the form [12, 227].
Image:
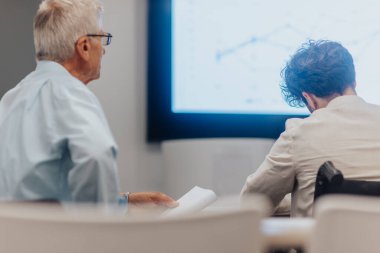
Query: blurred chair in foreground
[348, 224]
[36, 228]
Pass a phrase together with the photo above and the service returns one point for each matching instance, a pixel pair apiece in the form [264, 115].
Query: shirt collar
[343, 100]
[51, 66]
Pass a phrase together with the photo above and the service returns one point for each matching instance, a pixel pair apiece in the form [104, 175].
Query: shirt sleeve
[83, 127]
[275, 177]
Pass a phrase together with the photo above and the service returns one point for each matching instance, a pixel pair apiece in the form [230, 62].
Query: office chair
[331, 180]
[50, 229]
[346, 224]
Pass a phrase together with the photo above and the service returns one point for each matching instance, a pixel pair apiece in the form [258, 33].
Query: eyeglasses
[105, 38]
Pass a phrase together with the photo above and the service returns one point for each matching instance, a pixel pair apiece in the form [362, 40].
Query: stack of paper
[194, 200]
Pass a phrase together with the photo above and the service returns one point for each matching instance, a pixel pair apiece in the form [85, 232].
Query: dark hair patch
[323, 68]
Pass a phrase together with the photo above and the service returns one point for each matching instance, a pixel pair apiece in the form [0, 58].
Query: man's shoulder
[65, 86]
[293, 127]
[49, 72]
[63, 81]
[294, 123]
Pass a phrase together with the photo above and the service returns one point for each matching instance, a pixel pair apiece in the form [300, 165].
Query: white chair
[346, 223]
[24, 229]
[218, 164]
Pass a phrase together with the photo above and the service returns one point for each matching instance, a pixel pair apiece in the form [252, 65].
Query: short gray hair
[58, 24]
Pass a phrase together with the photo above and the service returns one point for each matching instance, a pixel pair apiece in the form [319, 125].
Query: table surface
[287, 232]
[277, 231]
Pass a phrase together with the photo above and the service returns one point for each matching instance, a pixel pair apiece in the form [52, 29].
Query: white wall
[122, 92]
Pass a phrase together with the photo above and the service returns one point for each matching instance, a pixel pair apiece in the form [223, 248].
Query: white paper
[194, 200]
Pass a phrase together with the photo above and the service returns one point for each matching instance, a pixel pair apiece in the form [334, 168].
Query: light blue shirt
[55, 142]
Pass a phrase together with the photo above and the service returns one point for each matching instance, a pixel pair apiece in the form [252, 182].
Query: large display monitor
[214, 65]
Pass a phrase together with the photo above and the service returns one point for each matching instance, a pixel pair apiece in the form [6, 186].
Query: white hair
[58, 24]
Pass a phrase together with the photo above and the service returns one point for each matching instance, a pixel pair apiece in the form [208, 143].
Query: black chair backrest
[330, 180]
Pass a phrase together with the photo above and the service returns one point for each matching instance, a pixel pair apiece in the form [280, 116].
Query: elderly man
[342, 128]
[55, 140]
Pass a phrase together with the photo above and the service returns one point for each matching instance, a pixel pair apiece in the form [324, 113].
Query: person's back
[345, 132]
[39, 121]
[55, 141]
[342, 128]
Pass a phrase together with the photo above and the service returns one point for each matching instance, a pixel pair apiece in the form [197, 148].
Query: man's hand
[151, 199]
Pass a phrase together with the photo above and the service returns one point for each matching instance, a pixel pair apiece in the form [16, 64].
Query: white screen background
[227, 55]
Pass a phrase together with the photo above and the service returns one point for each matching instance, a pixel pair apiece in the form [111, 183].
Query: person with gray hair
[56, 142]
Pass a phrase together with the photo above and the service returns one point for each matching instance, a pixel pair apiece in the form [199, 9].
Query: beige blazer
[346, 132]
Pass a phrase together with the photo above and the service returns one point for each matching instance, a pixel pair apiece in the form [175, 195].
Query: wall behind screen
[16, 50]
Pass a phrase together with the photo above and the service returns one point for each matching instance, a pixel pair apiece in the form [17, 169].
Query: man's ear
[83, 47]
[312, 103]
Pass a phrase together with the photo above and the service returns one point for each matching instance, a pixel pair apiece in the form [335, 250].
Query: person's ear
[312, 103]
[83, 47]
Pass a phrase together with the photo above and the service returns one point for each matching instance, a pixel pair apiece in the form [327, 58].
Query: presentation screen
[214, 65]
